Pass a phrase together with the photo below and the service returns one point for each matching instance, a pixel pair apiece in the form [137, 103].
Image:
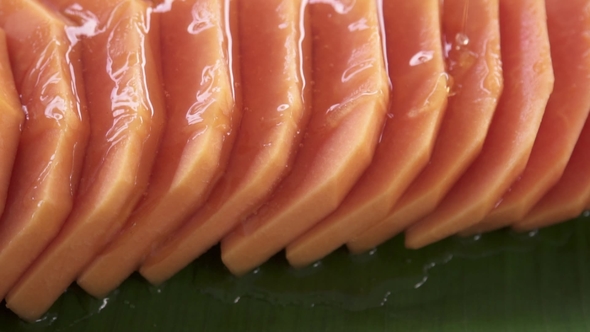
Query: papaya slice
[48, 76]
[350, 100]
[202, 116]
[472, 37]
[126, 107]
[569, 197]
[11, 120]
[417, 72]
[528, 82]
[277, 98]
[564, 117]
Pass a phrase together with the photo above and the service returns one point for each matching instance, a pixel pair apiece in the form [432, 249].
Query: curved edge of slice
[528, 82]
[124, 137]
[473, 43]
[417, 72]
[569, 197]
[51, 147]
[568, 25]
[264, 149]
[11, 120]
[202, 116]
[349, 106]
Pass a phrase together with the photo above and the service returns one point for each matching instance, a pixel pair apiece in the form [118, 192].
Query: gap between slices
[472, 40]
[125, 104]
[12, 118]
[350, 100]
[528, 82]
[569, 197]
[203, 115]
[276, 61]
[47, 73]
[568, 24]
[307, 186]
[417, 72]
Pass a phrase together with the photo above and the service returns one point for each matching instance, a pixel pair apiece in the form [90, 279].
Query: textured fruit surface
[48, 77]
[277, 104]
[418, 99]
[568, 24]
[149, 131]
[474, 63]
[528, 82]
[125, 104]
[349, 105]
[202, 116]
[11, 120]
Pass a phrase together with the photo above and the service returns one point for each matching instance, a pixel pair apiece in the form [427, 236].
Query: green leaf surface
[502, 281]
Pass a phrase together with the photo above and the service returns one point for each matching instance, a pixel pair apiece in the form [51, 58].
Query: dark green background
[501, 281]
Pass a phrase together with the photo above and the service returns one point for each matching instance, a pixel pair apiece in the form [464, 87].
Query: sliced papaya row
[474, 62]
[525, 58]
[202, 116]
[349, 105]
[566, 112]
[417, 73]
[271, 124]
[48, 77]
[125, 104]
[277, 103]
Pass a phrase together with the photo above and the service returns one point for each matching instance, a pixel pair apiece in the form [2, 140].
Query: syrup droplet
[450, 85]
[461, 40]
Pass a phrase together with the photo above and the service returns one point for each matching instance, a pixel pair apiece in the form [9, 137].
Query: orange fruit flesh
[528, 82]
[275, 74]
[126, 109]
[564, 117]
[350, 100]
[471, 29]
[47, 167]
[349, 105]
[417, 71]
[11, 120]
[569, 197]
[202, 115]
